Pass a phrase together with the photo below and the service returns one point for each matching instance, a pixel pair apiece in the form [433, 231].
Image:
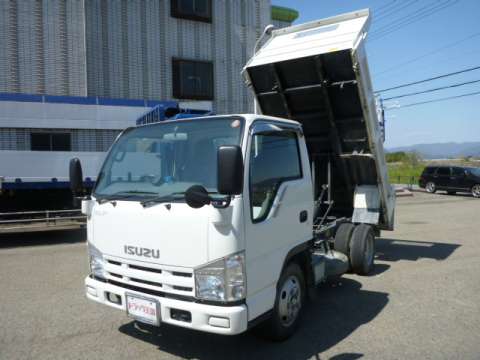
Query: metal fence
[25, 221]
[409, 181]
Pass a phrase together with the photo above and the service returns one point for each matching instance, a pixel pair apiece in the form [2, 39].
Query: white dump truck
[224, 223]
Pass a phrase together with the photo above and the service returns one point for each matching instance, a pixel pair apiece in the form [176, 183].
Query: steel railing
[409, 181]
[44, 219]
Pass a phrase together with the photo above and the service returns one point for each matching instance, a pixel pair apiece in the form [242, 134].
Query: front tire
[362, 249]
[431, 187]
[476, 191]
[289, 304]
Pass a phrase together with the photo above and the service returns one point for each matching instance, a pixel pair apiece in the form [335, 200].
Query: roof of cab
[249, 118]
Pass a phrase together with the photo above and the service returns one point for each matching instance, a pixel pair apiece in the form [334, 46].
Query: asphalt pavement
[422, 301]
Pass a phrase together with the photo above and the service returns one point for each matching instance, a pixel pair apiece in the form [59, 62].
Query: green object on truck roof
[281, 13]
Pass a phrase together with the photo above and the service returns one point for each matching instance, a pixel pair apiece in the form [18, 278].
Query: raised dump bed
[317, 74]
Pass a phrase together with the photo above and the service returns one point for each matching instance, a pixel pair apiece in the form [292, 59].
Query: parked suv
[451, 179]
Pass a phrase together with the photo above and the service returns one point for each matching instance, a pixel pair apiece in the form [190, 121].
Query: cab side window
[274, 159]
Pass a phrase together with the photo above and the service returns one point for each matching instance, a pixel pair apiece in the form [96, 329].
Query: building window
[200, 10]
[192, 79]
[50, 142]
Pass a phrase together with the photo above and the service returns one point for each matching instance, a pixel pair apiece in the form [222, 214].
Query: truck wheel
[288, 306]
[343, 237]
[362, 249]
[430, 187]
[476, 191]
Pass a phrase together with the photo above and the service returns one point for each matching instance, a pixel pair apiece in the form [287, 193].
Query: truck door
[279, 205]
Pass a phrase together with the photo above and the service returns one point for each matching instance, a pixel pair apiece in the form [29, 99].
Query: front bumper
[226, 320]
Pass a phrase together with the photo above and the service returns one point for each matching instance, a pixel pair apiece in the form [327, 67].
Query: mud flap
[366, 205]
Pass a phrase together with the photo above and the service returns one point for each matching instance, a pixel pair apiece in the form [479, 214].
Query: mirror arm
[222, 203]
[77, 200]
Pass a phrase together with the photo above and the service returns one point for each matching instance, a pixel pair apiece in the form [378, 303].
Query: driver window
[274, 159]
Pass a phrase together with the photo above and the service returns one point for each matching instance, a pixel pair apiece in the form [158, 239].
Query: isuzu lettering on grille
[138, 251]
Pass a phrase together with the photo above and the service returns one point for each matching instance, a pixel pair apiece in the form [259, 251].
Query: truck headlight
[97, 263]
[222, 280]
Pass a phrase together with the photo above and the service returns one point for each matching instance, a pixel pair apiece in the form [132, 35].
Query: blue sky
[449, 121]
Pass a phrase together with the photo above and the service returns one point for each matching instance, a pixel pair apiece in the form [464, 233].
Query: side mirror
[197, 196]
[76, 177]
[230, 170]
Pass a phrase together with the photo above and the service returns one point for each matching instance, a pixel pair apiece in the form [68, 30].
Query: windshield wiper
[122, 195]
[164, 198]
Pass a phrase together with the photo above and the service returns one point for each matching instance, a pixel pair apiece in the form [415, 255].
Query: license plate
[143, 309]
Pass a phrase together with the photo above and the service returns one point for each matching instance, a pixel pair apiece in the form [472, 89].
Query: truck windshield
[166, 158]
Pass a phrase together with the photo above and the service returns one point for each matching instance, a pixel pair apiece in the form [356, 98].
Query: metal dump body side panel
[317, 74]
[375, 137]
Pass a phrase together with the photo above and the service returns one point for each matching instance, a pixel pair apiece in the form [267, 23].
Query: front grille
[145, 269]
[177, 273]
[157, 278]
[151, 292]
[146, 282]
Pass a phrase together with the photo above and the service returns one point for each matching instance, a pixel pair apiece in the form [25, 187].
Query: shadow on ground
[340, 309]
[42, 238]
[395, 250]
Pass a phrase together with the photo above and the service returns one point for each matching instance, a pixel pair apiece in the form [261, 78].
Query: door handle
[303, 216]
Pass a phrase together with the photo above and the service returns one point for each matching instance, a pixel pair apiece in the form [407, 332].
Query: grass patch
[404, 173]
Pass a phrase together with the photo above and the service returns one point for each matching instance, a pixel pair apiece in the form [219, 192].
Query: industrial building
[189, 50]
[74, 73]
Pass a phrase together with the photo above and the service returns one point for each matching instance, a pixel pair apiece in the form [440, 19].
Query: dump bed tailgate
[317, 74]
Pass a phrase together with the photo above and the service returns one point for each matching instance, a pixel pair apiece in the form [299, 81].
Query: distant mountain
[449, 150]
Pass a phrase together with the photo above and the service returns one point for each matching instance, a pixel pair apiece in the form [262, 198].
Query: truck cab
[213, 268]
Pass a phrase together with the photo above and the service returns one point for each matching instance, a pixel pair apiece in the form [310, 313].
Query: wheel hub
[476, 191]
[290, 301]
[430, 187]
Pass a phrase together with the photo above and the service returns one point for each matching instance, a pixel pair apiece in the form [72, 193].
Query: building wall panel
[124, 48]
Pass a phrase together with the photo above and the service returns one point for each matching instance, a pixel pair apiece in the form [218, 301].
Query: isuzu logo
[139, 251]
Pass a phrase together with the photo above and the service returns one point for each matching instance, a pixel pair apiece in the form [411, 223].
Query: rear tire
[289, 304]
[343, 238]
[476, 191]
[430, 187]
[362, 249]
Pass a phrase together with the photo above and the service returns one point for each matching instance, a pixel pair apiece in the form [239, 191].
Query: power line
[379, 16]
[432, 90]
[449, 45]
[385, 6]
[411, 18]
[429, 79]
[448, 59]
[434, 100]
[403, 17]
